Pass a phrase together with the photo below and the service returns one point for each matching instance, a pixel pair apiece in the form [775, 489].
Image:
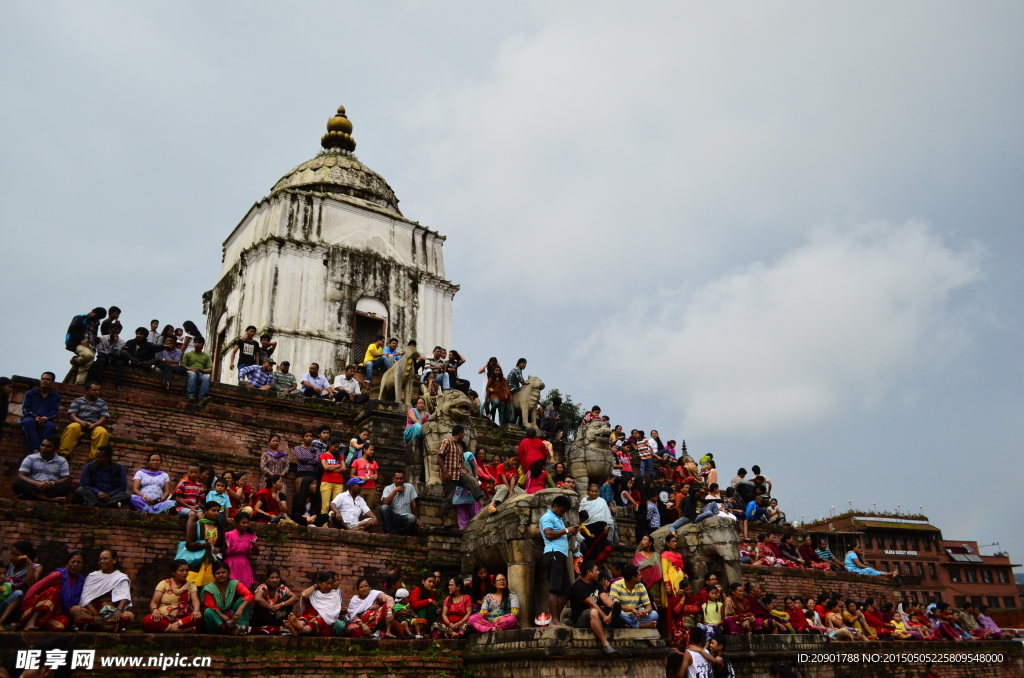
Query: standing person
[274, 461]
[399, 511]
[697, 662]
[586, 602]
[246, 349]
[199, 366]
[673, 576]
[266, 349]
[239, 544]
[451, 462]
[153, 336]
[44, 475]
[531, 449]
[87, 416]
[375, 359]
[307, 459]
[81, 340]
[366, 469]
[643, 450]
[104, 483]
[108, 354]
[113, 318]
[39, 412]
[315, 385]
[497, 400]
[556, 555]
[284, 380]
[203, 535]
[333, 469]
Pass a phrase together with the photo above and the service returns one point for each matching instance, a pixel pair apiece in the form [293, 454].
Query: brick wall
[147, 544]
[783, 581]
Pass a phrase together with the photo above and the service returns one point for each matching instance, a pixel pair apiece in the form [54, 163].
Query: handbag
[191, 557]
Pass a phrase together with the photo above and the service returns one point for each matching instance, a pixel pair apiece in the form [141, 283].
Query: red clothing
[507, 473]
[537, 484]
[418, 598]
[798, 620]
[270, 505]
[189, 491]
[334, 475]
[529, 451]
[364, 469]
[240, 591]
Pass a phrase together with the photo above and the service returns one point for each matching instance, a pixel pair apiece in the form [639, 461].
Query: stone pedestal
[565, 653]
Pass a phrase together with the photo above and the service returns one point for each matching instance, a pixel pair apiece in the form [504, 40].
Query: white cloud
[782, 345]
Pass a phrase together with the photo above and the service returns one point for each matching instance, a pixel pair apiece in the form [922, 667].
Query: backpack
[76, 332]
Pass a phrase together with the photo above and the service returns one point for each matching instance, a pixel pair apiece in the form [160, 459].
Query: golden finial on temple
[339, 132]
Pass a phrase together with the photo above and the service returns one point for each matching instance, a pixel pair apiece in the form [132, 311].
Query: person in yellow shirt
[375, 358]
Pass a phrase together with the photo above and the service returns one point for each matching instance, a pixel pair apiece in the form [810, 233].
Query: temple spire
[339, 132]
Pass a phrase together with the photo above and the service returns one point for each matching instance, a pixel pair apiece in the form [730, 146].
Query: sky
[788, 233]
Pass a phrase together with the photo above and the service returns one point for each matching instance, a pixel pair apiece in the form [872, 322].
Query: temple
[325, 263]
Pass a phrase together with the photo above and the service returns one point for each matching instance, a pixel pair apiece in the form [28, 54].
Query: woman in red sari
[320, 610]
[368, 611]
[47, 602]
[684, 616]
[738, 618]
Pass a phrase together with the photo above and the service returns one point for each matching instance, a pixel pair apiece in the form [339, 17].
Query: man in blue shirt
[103, 483]
[556, 555]
[756, 510]
[39, 412]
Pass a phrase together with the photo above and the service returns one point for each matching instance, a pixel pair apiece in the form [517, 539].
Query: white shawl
[98, 584]
[357, 605]
[597, 511]
[328, 605]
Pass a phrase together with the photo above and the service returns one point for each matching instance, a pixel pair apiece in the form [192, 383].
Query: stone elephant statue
[711, 546]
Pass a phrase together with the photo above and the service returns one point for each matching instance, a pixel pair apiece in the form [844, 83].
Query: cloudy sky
[788, 233]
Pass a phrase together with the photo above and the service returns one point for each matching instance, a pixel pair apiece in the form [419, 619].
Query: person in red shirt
[530, 449]
[333, 481]
[874, 619]
[366, 468]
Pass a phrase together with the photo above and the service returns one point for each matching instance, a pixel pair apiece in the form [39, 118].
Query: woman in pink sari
[499, 611]
[648, 561]
[239, 544]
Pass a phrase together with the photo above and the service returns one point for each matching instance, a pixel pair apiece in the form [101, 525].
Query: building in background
[969, 576]
[327, 262]
[909, 544]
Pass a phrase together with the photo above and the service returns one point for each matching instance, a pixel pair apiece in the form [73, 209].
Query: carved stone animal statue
[526, 399]
[400, 384]
[452, 407]
[711, 546]
[590, 456]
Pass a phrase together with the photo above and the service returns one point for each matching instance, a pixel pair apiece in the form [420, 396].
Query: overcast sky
[788, 233]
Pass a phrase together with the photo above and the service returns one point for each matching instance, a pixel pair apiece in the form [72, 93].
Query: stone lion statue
[452, 407]
[590, 456]
[711, 546]
[526, 399]
[400, 383]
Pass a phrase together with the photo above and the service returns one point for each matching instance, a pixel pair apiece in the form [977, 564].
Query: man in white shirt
[347, 389]
[348, 509]
[315, 385]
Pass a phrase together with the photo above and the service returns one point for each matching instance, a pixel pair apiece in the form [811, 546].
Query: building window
[993, 601]
[920, 570]
[959, 601]
[1009, 601]
[908, 569]
[885, 566]
[954, 575]
[871, 564]
[986, 576]
[914, 544]
[977, 601]
[892, 541]
[938, 597]
[1004, 578]
[931, 571]
[927, 544]
[971, 576]
[913, 596]
[868, 542]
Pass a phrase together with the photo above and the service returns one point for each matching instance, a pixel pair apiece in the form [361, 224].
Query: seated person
[827, 556]
[438, 366]
[259, 377]
[227, 604]
[391, 351]
[190, 492]
[349, 511]
[269, 504]
[273, 602]
[48, 602]
[139, 352]
[590, 606]
[315, 385]
[199, 366]
[87, 416]
[106, 599]
[320, 610]
[347, 388]
[39, 412]
[855, 565]
[108, 354]
[169, 361]
[306, 506]
[636, 610]
[284, 380]
[174, 607]
[399, 511]
[44, 475]
[104, 482]
[22, 572]
[375, 359]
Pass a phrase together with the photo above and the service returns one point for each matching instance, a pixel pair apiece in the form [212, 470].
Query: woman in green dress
[226, 604]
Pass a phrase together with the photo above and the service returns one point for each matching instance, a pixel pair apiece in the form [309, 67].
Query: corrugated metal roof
[896, 526]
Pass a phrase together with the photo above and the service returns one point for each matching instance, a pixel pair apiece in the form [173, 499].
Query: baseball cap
[401, 594]
[354, 481]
